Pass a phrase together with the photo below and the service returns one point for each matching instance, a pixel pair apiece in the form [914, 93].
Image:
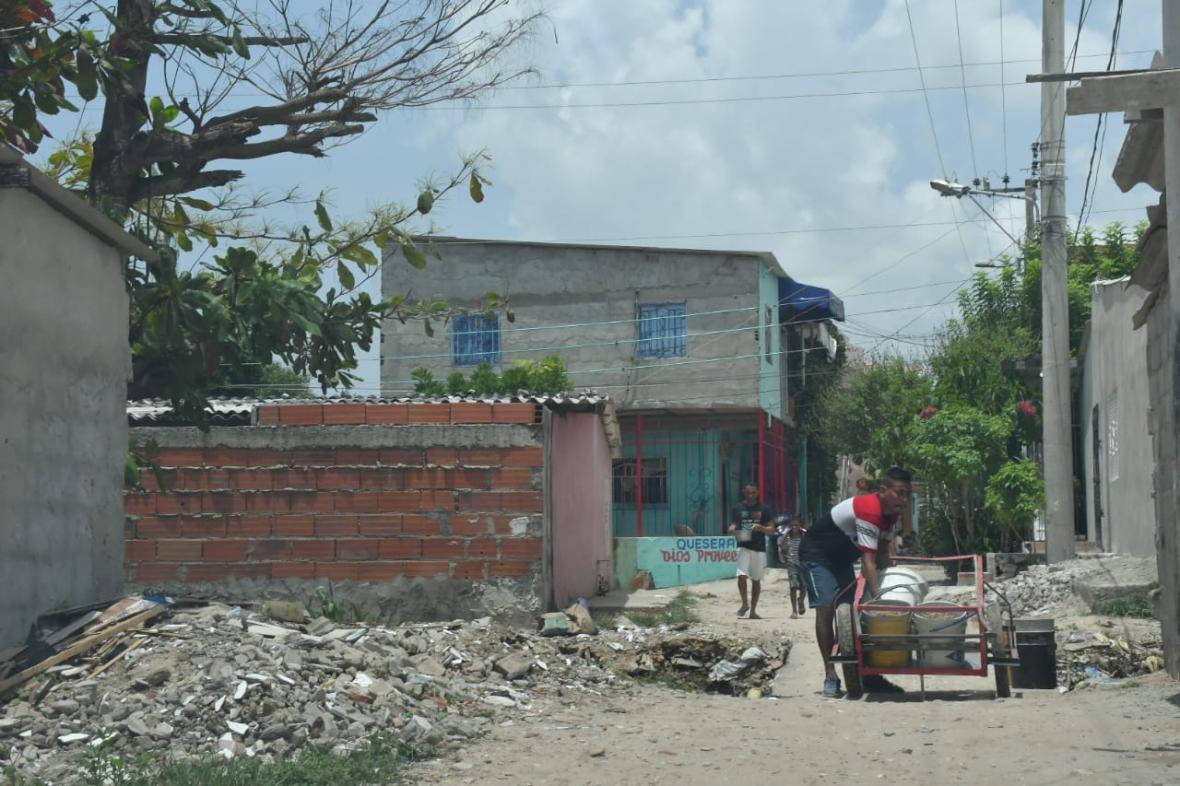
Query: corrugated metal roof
[240, 411]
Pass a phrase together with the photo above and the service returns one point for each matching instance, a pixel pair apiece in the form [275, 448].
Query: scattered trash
[1090, 658]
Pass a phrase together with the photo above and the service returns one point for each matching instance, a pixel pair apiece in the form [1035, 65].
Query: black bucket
[1037, 651]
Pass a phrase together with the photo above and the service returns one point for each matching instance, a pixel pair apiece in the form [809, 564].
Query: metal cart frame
[991, 640]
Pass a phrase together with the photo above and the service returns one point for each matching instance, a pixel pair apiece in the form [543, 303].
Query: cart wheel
[845, 637]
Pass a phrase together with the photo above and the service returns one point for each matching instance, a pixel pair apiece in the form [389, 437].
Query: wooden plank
[134, 645]
[1148, 90]
[64, 633]
[80, 647]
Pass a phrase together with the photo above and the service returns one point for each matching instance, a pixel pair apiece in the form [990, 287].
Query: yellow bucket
[883, 623]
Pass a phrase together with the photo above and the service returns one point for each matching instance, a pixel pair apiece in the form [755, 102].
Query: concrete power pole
[1059, 521]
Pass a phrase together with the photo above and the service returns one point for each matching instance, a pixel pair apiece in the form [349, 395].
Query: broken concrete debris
[214, 680]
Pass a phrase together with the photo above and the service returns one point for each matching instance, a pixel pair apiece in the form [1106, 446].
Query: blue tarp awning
[804, 302]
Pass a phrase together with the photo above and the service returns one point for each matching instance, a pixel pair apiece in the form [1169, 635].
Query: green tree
[524, 377]
[870, 414]
[1015, 495]
[157, 164]
[955, 451]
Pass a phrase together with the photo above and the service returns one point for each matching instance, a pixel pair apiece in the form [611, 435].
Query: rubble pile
[1073, 586]
[216, 680]
[1039, 591]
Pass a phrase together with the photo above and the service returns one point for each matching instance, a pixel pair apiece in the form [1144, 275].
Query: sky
[730, 147]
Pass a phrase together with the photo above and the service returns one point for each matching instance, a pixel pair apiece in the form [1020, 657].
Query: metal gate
[682, 474]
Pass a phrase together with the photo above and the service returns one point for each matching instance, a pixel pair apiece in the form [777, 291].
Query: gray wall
[1166, 454]
[1114, 379]
[64, 363]
[554, 284]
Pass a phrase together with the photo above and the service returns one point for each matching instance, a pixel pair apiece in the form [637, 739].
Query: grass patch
[378, 761]
[682, 609]
[1131, 606]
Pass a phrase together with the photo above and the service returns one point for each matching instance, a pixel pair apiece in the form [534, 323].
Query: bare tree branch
[326, 78]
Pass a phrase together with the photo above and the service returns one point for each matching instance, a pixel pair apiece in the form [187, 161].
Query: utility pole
[1056, 398]
[1030, 210]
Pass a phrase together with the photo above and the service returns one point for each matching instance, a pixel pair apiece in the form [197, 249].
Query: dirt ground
[960, 735]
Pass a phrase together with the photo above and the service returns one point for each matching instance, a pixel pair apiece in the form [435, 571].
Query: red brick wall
[340, 513]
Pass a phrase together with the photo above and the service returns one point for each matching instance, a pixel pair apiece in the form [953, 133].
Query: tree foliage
[1015, 495]
[157, 164]
[870, 415]
[547, 376]
[812, 376]
[964, 420]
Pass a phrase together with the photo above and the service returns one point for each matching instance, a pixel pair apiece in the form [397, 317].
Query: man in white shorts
[750, 524]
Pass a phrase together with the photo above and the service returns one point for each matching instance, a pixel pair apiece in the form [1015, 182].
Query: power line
[713, 79]
[966, 103]
[694, 101]
[647, 366]
[793, 75]
[1100, 126]
[925, 92]
[1003, 98]
[916, 251]
[933, 131]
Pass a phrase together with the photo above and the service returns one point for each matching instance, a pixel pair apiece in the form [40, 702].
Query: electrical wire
[966, 103]
[1003, 99]
[925, 92]
[794, 75]
[1099, 127]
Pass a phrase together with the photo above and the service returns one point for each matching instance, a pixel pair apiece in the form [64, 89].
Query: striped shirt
[789, 545]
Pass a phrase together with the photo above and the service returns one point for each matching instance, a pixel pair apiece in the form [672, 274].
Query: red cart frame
[990, 640]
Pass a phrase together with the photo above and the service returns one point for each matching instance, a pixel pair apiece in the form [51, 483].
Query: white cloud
[761, 167]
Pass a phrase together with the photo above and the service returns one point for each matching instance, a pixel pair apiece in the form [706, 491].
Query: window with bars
[625, 474]
[475, 339]
[663, 331]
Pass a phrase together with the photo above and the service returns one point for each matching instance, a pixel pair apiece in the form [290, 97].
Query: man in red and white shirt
[861, 528]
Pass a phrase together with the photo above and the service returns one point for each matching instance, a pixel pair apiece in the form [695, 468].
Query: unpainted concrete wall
[64, 362]
[1114, 379]
[580, 487]
[1167, 503]
[556, 285]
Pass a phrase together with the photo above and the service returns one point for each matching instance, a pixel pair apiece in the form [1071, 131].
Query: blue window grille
[663, 331]
[475, 339]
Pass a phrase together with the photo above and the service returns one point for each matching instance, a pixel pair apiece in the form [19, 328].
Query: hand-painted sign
[685, 560]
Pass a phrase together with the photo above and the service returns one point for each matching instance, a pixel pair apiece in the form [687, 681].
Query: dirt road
[959, 735]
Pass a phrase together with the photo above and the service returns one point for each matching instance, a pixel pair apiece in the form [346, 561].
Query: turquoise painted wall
[770, 380]
[693, 489]
[674, 562]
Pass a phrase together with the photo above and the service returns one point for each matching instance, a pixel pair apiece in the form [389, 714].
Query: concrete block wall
[1165, 452]
[413, 507]
[63, 425]
[598, 290]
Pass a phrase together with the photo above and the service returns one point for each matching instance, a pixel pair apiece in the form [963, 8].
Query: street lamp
[1027, 194]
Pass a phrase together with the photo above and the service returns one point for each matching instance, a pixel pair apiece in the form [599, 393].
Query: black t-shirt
[746, 517]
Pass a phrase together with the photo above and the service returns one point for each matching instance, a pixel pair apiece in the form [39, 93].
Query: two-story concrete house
[690, 344]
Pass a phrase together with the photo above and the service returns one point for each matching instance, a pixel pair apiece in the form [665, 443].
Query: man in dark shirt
[750, 524]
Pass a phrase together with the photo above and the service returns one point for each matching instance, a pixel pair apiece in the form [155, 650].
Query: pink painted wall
[580, 477]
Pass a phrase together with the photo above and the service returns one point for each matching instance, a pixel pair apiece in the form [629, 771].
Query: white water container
[942, 653]
[903, 586]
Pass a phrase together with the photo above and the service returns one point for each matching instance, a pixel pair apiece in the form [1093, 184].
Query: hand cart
[859, 652]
